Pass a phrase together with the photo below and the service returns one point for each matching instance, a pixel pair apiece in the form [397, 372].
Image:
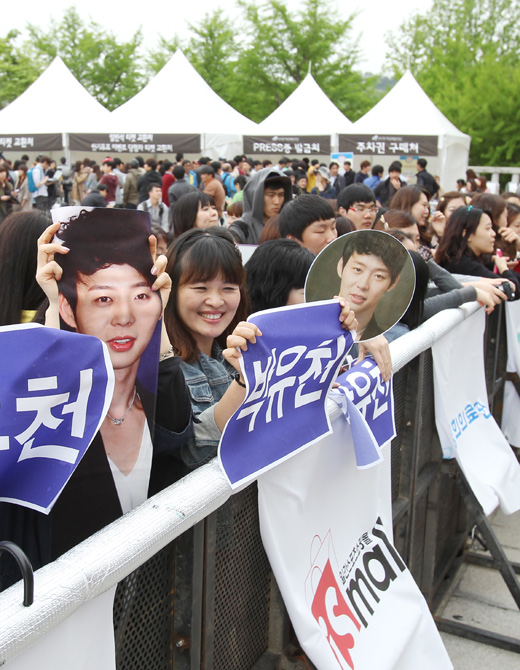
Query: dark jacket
[94, 199]
[385, 191]
[248, 229]
[426, 180]
[145, 181]
[329, 192]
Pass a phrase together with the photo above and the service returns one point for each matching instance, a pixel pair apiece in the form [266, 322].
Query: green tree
[17, 69]
[157, 58]
[466, 56]
[283, 45]
[107, 68]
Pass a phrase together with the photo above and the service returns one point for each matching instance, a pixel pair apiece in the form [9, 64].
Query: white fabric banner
[511, 409]
[326, 527]
[467, 430]
[84, 641]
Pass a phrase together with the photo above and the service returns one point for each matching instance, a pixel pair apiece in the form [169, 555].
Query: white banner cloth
[326, 526]
[511, 409]
[467, 430]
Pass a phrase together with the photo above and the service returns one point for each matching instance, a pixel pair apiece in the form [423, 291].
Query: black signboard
[135, 143]
[303, 145]
[389, 145]
[40, 142]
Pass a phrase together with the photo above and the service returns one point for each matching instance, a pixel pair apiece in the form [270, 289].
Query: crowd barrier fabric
[467, 430]
[352, 601]
[511, 409]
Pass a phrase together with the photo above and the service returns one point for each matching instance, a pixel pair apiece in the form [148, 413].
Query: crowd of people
[200, 212]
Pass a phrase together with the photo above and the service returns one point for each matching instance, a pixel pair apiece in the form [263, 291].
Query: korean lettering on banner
[289, 372]
[52, 402]
[373, 397]
[13, 142]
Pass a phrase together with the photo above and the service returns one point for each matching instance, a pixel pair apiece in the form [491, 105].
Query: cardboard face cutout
[373, 271]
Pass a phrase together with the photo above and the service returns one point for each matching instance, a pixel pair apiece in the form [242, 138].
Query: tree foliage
[17, 69]
[466, 56]
[106, 67]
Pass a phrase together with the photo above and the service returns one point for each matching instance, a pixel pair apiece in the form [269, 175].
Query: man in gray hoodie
[265, 194]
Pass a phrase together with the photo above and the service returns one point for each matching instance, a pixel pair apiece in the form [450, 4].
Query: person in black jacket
[425, 179]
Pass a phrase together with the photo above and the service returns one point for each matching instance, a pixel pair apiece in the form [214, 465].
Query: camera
[506, 288]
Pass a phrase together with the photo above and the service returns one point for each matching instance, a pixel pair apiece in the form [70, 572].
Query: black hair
[355, 193]
[179, 156]
[413, 316]
[377, 170]
[207, 169]
[124, 236]
[454, 243]
[275, 268]
[186, 208]
[422, 162]
[395, 166]
[365, 242]
[198, 256]
[19, 290]
[154, 185]
[299, 213]
[241, 180]
[274, 183]
[179, 172]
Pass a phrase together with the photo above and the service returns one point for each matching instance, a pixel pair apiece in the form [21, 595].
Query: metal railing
[208, 599]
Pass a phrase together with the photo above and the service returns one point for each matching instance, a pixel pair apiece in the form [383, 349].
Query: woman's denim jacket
[208, 378]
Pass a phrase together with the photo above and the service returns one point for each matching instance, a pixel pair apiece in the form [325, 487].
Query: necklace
[117, 422]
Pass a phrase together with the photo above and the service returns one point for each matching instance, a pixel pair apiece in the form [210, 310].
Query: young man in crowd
[155, 207]
[310, 221]
[348, 175]
[369, 268]
[265, 194]
[150, 176]
[425, 179]
[389, 186]
[213, 187]
[364, 169]
[358, 203]
[96, 197]
[377, 174]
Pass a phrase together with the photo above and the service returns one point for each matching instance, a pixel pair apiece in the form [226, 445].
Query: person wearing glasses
[358, 203]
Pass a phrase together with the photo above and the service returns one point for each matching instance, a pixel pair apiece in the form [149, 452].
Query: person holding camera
[468, 247]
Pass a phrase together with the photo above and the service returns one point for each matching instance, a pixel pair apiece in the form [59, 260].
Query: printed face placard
[373, 271]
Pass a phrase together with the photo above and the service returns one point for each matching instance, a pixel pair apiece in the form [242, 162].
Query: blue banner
[56, 389]
[288, 373]
[372, 397]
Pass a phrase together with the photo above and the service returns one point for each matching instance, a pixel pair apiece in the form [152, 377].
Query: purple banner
[56, 389]
[373, 398]
[288, 372]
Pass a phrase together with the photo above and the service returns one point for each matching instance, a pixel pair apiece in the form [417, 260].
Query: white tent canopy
[306, 122]
[307, 111]
[407, 110]
[55, 103]
[178, 100]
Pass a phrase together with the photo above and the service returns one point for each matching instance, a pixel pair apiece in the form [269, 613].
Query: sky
[166, 17]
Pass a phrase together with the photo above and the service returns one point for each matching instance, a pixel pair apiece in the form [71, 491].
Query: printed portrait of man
[372, 271]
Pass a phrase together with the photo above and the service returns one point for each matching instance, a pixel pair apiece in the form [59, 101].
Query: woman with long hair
[193, 210]
[468, 247]
[20, 294]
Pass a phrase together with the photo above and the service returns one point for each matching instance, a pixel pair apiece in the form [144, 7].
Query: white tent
[178, 101]
[55, 103]
[407, 110]
[307, 113]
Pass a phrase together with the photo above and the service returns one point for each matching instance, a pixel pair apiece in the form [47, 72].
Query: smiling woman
[206, 302]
